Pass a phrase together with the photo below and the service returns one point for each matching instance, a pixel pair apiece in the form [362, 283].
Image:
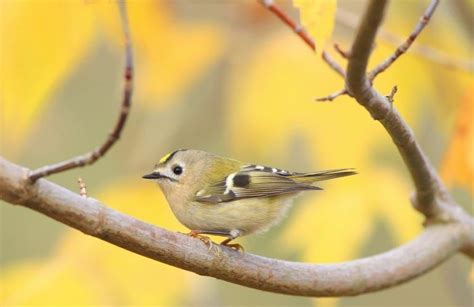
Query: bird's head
[180, 172]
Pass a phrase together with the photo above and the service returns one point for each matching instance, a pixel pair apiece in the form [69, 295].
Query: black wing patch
[241, 180]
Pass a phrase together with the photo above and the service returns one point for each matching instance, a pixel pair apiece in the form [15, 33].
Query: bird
[214, 195]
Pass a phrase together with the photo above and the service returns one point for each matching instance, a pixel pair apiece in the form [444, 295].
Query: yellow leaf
[318, 17]
[41, 41]
[458, 164]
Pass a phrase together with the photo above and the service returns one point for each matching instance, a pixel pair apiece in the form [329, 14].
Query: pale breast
[246, 215]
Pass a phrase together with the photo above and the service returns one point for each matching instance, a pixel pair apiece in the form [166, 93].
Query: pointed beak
[154, 175]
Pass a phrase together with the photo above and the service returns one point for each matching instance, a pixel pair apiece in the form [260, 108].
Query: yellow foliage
[86, 271]
[458, 164]
[40, 42]
[278, 92]
[318, 17]
[34, 65]
[332, 225]
[162, 41]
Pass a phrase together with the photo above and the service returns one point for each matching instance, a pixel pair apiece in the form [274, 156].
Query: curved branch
[90, 216]
[424, 176]
[431, 197]
[92, 156]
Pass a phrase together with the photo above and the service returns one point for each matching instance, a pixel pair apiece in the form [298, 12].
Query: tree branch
[424, 176]
[92, 156]
[431, 197]
[275, 9]
[429, 249]
[407, 43]
[333, 64]
[332, 96]
[341, 52]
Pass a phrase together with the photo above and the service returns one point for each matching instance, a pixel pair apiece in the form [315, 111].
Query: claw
[235, 246]
[211, 245]
[205, 239]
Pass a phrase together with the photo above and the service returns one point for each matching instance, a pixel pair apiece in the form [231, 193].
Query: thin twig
[272, 7]
[333, 96]
[298, 29]
[404, 47]
[438, 57]
[100, 151]
[343, 53]
[333, 64]
[390, 97]
[82, 187]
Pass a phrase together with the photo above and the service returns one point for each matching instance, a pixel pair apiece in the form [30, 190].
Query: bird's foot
[205, 239]
[234, 246]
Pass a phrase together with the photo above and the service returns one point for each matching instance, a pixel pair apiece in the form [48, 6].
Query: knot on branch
[22, 197]
[92, 157]
[378, 106]
[99, 228]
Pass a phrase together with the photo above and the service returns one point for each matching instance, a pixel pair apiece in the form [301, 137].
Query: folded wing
[249, 184]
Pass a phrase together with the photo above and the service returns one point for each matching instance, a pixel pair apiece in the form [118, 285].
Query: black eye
[178, 170]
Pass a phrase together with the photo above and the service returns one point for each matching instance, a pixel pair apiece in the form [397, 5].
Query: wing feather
[249, 184]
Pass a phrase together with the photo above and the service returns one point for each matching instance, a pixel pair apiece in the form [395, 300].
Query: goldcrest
[214, 195]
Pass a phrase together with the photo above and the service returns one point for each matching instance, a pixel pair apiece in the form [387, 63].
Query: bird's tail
[310, 178]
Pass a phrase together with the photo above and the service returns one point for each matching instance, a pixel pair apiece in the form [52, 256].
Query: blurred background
[226, 77]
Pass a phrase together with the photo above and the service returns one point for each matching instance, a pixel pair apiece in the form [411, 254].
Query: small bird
[219, 196]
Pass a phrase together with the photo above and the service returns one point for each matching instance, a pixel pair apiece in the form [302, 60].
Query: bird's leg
[233, 234]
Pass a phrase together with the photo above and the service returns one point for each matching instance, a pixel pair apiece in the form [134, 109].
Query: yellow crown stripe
[166, 157]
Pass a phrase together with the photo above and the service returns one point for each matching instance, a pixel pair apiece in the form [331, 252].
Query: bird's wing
[310, 178]
[249, 183]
